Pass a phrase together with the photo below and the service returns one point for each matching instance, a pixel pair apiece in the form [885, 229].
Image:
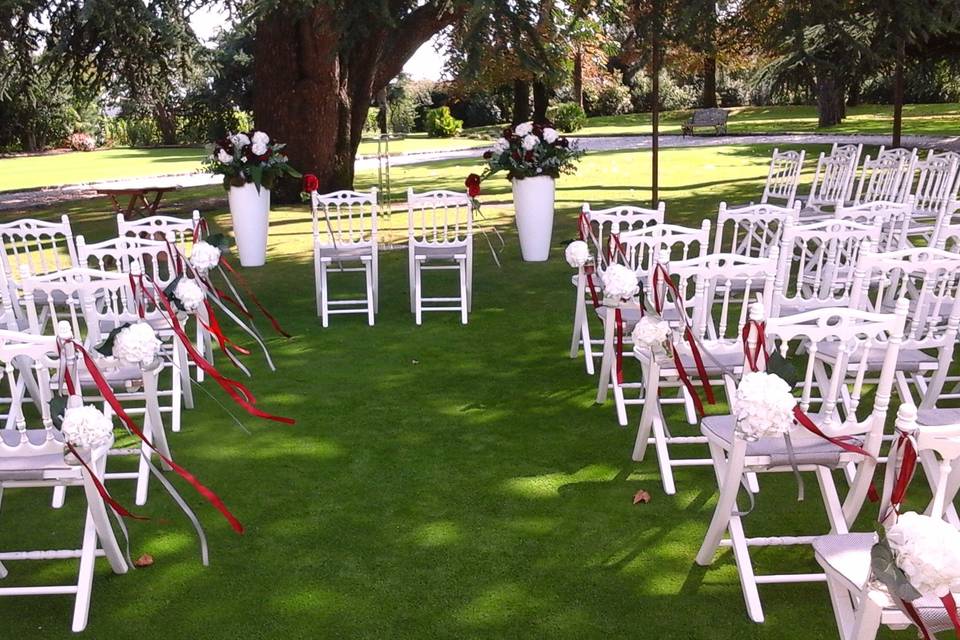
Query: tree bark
[521, 101]
[708, 98]
[898, 95]
[655, 108]
[383, 112]
[541, 101]
[831, 106]
[166, 123]
[578, 76]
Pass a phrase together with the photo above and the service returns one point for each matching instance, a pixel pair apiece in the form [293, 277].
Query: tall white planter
[250, 211]
[533, 202]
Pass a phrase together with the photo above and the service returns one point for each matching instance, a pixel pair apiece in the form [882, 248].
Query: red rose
[516, 155]
[508, 133]
[310, 183]
[563, 142]
[473, 185]
[487, 155]
[528, 156]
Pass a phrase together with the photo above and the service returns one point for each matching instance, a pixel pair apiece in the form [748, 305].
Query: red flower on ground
[473, 185]
[310, 183]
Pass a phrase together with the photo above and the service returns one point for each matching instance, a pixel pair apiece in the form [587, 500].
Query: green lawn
[442, 481]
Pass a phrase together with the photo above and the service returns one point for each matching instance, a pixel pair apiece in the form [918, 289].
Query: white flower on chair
[764, 406]
[137, 344]
[927, 549]
[204, 256]
[653, 333]
[190, 294]
[577, 254]
[620, 282]
[86, 427]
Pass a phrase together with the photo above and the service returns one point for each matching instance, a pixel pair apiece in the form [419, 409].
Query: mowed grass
[442, 481]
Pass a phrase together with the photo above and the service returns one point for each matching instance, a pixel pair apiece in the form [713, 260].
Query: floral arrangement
[82, 142]
[137, 344]
[764, 406]
[243, 158]
[927, 550]
[653, 333]
[86, 427]
[186, 294]
[620, 282]
[204, 256]
[577, 254]
[530, 150]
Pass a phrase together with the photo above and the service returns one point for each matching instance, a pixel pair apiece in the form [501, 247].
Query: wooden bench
[716, 118]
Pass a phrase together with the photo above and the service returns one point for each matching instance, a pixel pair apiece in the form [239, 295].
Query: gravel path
[12, 201]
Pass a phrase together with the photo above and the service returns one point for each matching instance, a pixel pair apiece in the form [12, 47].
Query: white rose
[86, 427]
[204, 256]
[530, 142]
[224, 157]
[239, 140]
[501, 145]
[523, 128]
[928, 551]
[258, 148]
[190, 294]
[137, 345]
[764, 406]
[651, 332]
[259, 137]
[620, 282]
[577, 254]
[550, 135]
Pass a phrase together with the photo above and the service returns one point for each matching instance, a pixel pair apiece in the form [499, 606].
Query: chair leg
[176, 386]
[464, 296]
[651, 389]
[316, 282]
[831, 500]
[412, 275]
[417, 295]
[663, 456]
[867, 623]
[81, 606]
[370, 310]
[183, 368]
[587, 346]
[618, 402]
[59, 497]
[324, 303]
[843, 611]
[376, 282]
[606, 363]
[728, 472]
[579, 317]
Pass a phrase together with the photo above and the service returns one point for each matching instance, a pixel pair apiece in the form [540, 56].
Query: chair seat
[908, 361]
[26, 462]
[805, 451]
[631, 315]
[938, 417]
[717, 362]
[440, 252]
[345, 252]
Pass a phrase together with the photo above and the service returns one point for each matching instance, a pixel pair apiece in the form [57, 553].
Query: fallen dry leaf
[641, 496]
[143, 561]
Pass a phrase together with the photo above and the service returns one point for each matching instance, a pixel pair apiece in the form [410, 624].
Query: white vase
[250, 211]
[533, 202]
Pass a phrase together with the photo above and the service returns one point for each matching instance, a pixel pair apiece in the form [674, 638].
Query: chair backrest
[29, 354]
[752, 230]
[817, 263]
[442, 218]
[157, 259]
[616, 220]
[43, 246]
[158, 228]
[893, 216]
[935, 187]
[848, 331]
[783, 177]
[833, 180]
[948, 238]
[888, 178]
[716, 291]
[344, 218]
[642, 249]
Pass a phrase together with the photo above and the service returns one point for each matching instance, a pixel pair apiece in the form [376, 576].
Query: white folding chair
[345, 231]
[852, 152]
[641, 250]
[734, 457]
[37, 457]
[934, 197]
[887, 178]
[158, 228]
[94, 302]
[752, 230]
[894, 217]
[716, 291]
[832, 184]
[601, 224]
[860, 604]
[783, 177]
[440, 237]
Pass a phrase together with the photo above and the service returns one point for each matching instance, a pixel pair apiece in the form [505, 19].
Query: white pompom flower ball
[577, 254]
[204, 256]
[259, 137]
[258, 148]
[927, 549]
[550, 135]
[530, 142]
[620, 282]
[523, 128]
[652, 332]
[190, 294]
[86, 427]
[764, 406]
[137, 344]
[239, 140]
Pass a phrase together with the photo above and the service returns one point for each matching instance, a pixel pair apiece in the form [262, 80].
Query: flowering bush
[653, 333]
[928, 551]
[137, 344]
[577, 254]
[530, 150]
[439, 123]
[568, 116]
[86, 426]
[764, 406]
[242, 158]
[620, 282]
[82, 142]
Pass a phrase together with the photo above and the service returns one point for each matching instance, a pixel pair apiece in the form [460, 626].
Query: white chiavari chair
[889, 177]
[852, 152]
[934, 197]
[158, 228]
[783, 177]
[893, 216]
[33, 455]
[345, 232]
[803, 452]
[601, 224]
[832, 184]
[861, 605]
[752, 230]
[440, 237]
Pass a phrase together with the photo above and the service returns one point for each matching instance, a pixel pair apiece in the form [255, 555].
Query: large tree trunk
[541, 101]
[898, 95]
[708, 98]
[312, 90]
[831, 105]
[521, 101]
[166, 123]
[578, 76]
[655, 63]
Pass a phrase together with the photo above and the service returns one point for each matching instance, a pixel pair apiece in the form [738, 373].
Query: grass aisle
[442, 481]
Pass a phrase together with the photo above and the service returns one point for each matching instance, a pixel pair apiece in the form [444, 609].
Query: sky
[426, 63]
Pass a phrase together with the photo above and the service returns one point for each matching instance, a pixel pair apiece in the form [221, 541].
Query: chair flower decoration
[578, 254]
[764, 406]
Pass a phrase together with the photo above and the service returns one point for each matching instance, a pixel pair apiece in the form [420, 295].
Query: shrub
[441, 124]
[82, 142]
[567, 116]
[612, 99]
[370, 126]
[477, 110]
[403, 115]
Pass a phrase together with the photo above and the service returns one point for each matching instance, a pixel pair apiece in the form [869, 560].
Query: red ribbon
[618, 318]
[102, 490]
[685, 379]
[117, 408]
[253, 297]
[951, 606]
[213, 327]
